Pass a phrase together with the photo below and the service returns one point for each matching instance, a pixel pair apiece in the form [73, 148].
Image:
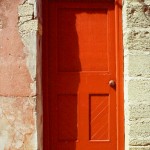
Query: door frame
[119, 76]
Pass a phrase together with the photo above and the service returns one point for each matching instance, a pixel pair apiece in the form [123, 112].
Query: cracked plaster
[15, 77]
[18, 38]
[28, 27]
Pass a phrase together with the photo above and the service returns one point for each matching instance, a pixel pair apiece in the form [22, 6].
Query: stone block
[136, 16]
[139, 141]
[24, 19]
[138, 40]
[139, 90]
[139, 148]
[139, 65]
[139, 110]
[136, 27]
[31, 1]
[140, 129]
[27, 27]
[25, 10]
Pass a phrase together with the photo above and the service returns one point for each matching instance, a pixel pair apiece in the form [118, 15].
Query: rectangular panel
[67, 117]
[99, 117]
[82, 40]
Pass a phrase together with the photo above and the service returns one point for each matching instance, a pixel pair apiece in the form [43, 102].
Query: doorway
[81, 81]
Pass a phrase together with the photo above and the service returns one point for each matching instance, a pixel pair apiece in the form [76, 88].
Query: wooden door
[81, 62]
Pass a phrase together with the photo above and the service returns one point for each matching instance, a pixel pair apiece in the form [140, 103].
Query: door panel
[88, 29]
[67, 118]
[81, 62]
[99, 112]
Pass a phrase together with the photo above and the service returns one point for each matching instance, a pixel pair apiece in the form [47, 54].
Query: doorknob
[112, 83]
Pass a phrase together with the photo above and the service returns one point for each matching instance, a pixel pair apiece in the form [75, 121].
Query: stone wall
[136, 32]
[18, 75]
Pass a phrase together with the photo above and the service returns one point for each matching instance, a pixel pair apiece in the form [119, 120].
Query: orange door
[81, 76]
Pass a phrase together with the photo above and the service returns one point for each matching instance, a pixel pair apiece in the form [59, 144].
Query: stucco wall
[136, 31]
[18, 92]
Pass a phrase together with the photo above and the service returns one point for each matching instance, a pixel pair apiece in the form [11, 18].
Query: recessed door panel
[67, 114]
[84, 30]
[99, 113]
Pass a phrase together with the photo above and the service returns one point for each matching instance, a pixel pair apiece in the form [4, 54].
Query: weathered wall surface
[136, 31]
[18, 92]
[20, 64]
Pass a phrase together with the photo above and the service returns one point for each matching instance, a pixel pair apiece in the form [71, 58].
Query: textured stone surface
[136, 31]
[139, 148]
[139, 110]
[18, 84]
[17, 124]
[139, 90]
[28, 27]
[138, 66]
[138, 39]
[135, 15]
[143, 141]
[25, 10]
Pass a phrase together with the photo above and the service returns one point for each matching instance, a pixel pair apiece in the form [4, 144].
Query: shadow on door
[73, 38]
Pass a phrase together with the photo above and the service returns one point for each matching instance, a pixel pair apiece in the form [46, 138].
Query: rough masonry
[136, 32]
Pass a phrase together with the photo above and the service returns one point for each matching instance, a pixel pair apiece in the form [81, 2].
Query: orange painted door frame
[119, 77]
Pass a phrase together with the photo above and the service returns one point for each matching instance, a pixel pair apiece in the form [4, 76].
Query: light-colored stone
[31, 1]
[136, 32]
[28, 27]
[139, 66]
[30, 40]
[139, 148]
[25, 10]
[138, 40]
[139, 90]
[139, 110]
[136, 16]
[140, 128]
[140, 141]
[24, 19]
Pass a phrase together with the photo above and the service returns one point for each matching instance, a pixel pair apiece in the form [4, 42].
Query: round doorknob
[112, 83]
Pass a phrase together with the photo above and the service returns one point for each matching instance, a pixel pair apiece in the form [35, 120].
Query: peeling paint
[28, 27]
[18, 52]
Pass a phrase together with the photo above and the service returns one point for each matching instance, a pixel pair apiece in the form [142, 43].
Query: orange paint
[80, 59]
